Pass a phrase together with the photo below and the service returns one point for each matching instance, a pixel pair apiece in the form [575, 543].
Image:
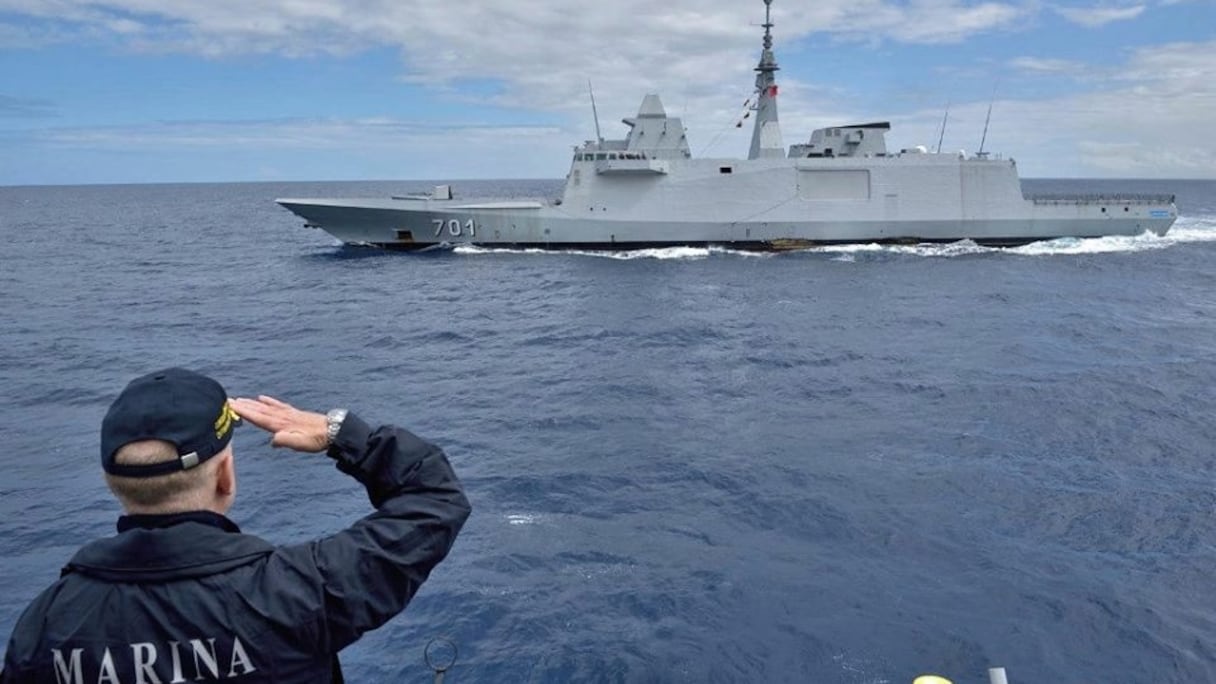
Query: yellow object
[931, 679]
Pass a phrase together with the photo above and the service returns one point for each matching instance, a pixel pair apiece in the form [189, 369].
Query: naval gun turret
[857, 140]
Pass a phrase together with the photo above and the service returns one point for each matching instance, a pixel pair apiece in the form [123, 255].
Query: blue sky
[114, 91]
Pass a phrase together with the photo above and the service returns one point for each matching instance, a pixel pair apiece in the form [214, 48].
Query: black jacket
[188, 598]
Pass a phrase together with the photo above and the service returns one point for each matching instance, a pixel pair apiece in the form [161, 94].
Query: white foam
[1187, 229]
[664, 253]
[952, 249]
[522, 519]
[1193, 229]
[850, 249]
[660, 253]
[1102, 245]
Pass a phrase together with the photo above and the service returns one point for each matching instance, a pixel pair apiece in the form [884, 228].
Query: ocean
[855, 465]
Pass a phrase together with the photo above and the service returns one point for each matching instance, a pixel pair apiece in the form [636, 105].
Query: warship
[840, 186]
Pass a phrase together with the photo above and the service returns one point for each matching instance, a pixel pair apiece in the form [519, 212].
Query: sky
[134, 91]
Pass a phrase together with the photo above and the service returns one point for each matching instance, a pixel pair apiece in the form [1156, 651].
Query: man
[181, 595]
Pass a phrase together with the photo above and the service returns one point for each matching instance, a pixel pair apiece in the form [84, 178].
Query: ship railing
[1102, 198]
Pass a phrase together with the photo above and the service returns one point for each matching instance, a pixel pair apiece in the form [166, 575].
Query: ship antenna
[595, 113]
[987, 119]
[942, 137]
[768, 25]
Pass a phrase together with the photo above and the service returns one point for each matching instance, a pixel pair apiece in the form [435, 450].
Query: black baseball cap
[175, 405]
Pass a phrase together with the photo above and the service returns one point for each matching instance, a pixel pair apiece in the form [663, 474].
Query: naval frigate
[841, 186]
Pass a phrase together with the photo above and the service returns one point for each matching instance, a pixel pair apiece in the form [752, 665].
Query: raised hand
[291, 427]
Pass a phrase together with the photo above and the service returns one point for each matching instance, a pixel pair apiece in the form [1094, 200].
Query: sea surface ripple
[854, 465]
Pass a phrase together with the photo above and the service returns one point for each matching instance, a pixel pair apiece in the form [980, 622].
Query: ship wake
[1186, 230]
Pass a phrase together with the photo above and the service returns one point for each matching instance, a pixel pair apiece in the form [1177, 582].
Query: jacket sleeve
[370, 571]
[20, 658]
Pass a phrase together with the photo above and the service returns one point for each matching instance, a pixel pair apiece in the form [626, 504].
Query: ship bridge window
[726, 169]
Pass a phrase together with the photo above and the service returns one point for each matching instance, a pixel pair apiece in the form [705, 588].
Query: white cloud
[923, 21]
[698, 52]
[1048, 66]
[1140, 118]
[1093, 17]
[532, 45]
[1146, 120]
[1176, 69]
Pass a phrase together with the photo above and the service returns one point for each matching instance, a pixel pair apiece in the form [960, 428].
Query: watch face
[334, 423]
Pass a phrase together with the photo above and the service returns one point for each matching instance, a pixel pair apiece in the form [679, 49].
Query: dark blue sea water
[851, 465]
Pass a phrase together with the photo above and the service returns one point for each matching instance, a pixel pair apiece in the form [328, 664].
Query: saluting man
[180, 594]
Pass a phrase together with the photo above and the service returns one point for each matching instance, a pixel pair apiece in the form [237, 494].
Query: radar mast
[766, 136]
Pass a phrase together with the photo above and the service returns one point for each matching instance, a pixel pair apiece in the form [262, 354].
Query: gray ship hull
[733, 212]
[414, 228]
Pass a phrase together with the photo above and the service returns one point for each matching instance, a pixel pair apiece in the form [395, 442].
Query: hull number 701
[454, 227]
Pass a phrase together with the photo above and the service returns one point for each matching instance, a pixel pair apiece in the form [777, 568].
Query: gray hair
[183, 490]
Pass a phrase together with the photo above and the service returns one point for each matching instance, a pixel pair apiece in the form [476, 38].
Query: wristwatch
[333, 424]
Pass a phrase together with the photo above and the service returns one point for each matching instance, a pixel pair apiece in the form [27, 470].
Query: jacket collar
[151, 522]
[168, 547]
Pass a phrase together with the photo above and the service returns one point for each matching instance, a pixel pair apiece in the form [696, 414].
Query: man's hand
[291, 427]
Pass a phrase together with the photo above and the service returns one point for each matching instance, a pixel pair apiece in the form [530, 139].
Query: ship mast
[766, 136]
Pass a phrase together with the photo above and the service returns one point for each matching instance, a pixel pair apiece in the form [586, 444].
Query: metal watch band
[333, 424]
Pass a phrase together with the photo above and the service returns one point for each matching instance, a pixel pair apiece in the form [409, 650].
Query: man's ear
[225, 476]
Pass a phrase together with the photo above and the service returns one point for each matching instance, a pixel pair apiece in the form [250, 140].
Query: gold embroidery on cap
[224, 423]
